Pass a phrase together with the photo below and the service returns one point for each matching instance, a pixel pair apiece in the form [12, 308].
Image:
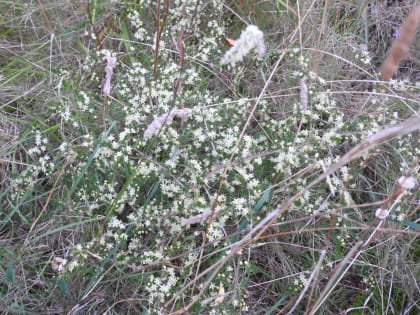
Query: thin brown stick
[339, 228]
[160, 27]
[321, 32]
[236, 162]
[44, 14]
[158, 33]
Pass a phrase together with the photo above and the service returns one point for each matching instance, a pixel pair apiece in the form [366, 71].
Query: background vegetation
[248, 204]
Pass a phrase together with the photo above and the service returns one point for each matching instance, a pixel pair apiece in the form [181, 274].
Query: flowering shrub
[174, 160]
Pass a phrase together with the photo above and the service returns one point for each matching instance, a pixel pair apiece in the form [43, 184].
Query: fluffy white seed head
[381, 213]
[407, 182]
[166, 118]
[251, 38]
[111, 62]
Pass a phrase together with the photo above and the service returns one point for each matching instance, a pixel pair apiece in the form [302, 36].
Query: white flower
[73, 264]
[400, 217]
[251, 38]
[116, 223]
[381, 213]
[407, 182]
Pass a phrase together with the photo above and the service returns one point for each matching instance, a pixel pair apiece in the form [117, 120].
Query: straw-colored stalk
[399, 48]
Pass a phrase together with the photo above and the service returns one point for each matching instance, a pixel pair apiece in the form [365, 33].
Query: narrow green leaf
[10, 274]
[253, 269]
[6, 32]
[93, 8]
[100, 269]
[119, 196]
[90, 160]
[276, 305]
[64, 227]
[62, 285]
[412, 225]
[265, 196]
[126, 37]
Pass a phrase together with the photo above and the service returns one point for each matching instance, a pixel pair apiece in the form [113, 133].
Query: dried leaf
[231, 42]
[220, 295]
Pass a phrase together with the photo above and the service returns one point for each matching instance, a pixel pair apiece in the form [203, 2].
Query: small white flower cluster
[40, 144]
[39, 151]
[363, 54]
[85, 102]
[251, 38]
[300, 281]
[404, 85]
[114, 222]
[241, 206]
[136, 21]
[159, 287]
[214, 233]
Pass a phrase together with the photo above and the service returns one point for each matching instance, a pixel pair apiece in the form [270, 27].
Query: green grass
[97, 219]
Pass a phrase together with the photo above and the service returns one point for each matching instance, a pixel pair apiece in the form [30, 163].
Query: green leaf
[6, 32]
[254, 269]
[275, 306]
[100, 269]
[61, 228]
[10, 274]
[62, 285]
[412, 225]
[93, 11]
[126, 37]
[90, 160]
[265, 196]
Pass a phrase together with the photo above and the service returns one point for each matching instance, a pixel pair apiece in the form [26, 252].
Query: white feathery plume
[303, 94]
[381, 214]
[166, 118]
[407, 182]
[111, 62]
[251, 38]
